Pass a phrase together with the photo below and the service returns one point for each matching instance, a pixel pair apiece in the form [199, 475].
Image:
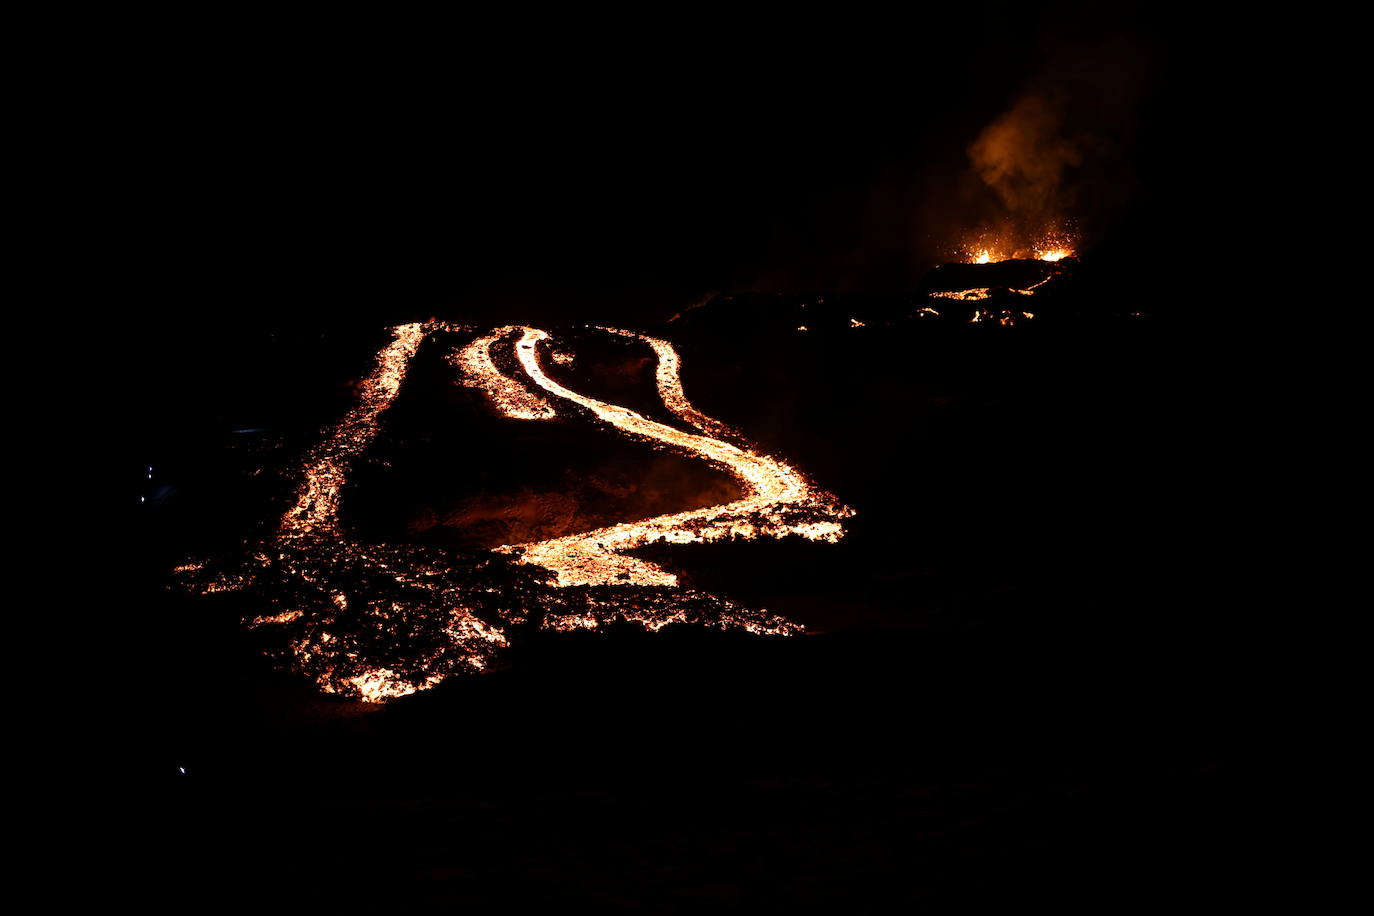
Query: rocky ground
[1017, 685]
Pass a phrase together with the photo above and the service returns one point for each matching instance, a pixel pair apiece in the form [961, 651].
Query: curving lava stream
[774, 490]
[376, 621]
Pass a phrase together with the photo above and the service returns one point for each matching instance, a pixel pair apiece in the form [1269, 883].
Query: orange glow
[667, 377]
[981, 292]
[778, 500]
[1052, 246]
[509, 396]
[380, 684]
[1006, 318]
[966, 295]
[317, 500]
[311, 556]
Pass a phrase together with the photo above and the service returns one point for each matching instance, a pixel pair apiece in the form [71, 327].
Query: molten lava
[377, 621]
[1002, 275]
[509, 396]
[778, 499]
[1051, 246]
[988, 256]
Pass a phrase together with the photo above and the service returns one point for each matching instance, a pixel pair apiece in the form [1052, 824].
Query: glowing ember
[283, 617]
[981, 292]
[1006, 318]
[375, 622]
[966, 295]
[382, 684]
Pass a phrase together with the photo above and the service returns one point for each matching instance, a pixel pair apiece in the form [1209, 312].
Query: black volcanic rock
[1055, 286]
[1011, 274]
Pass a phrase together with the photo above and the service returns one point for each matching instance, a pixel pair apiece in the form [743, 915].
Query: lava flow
[377, 621]
[778, 500]
[1004, 278]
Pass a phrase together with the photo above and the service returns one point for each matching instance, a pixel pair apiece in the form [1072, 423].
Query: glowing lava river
[376, 621]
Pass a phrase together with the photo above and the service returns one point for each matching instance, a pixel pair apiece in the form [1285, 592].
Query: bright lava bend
[377, 621]
[774, 491]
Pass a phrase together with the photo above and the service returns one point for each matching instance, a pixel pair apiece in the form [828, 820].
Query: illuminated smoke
[1057, 163]
[1022, 157]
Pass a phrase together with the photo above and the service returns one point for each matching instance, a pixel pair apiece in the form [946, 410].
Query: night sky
[615, 164]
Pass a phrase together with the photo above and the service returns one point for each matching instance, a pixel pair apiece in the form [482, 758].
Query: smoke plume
[1057, 161]
[1023, 157]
